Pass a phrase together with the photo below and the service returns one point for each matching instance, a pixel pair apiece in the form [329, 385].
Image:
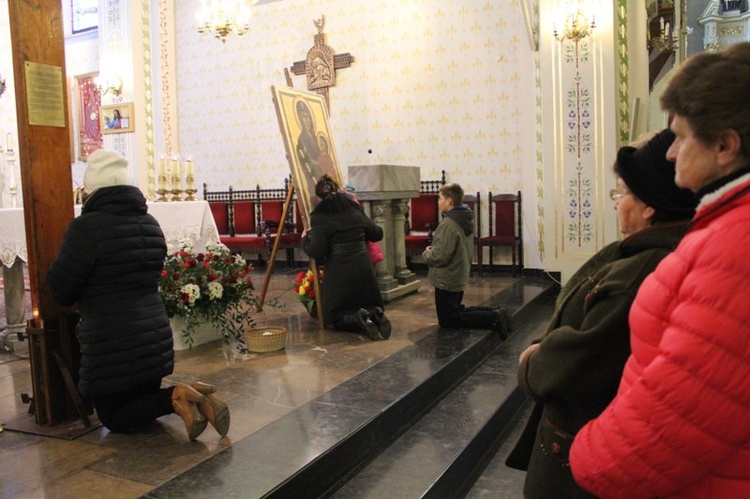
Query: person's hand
[428, 248]
[304, 232]
[527, 353]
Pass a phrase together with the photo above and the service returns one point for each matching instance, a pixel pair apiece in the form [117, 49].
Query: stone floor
[259, 389]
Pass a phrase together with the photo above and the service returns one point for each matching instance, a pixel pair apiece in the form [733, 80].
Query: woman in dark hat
[680, 424]
[573, 371]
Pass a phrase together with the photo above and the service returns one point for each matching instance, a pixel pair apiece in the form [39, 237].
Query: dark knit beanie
[649, 176]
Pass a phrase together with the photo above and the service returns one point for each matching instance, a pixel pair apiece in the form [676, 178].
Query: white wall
[439, 85]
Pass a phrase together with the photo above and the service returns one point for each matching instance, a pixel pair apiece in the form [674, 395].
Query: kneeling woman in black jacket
[109, 263]
[338, 230]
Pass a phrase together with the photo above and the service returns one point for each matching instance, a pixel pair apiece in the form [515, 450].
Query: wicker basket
[265, 338]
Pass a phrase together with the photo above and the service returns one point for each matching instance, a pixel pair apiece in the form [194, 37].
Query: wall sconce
[110, 84]
[577, 27]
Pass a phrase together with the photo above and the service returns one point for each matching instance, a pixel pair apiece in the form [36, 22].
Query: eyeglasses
[616, 195]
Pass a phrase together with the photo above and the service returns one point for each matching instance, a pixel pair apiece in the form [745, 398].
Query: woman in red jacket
[680, 423]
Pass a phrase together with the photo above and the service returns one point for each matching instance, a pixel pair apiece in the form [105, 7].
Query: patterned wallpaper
[439, 85]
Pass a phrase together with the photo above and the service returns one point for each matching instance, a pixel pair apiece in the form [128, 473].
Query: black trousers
[125, 411]
[451, 314]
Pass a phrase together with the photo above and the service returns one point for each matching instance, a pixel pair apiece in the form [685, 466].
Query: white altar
[180, 220]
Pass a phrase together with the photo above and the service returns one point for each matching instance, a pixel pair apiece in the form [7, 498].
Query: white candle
[9, 139]
[12, 182]
[163, 173]
[189, 168]
[175, 166]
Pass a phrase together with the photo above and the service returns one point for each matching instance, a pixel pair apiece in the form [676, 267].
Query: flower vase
[203, 333]
[313, 311]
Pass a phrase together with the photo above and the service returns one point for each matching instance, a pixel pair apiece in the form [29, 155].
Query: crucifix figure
[321, 64]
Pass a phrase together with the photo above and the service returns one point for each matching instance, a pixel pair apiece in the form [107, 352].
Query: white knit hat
[106, 168]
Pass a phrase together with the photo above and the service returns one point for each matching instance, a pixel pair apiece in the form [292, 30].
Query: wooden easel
[272, 259]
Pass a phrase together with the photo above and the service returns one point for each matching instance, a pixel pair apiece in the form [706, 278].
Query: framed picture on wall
[117, 118]
[88, 101]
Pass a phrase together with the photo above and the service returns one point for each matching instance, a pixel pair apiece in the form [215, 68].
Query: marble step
[309, 451]
[443, 452]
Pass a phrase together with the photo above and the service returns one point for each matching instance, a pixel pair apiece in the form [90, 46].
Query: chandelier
[223, 17]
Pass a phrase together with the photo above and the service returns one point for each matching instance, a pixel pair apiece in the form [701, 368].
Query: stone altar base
[391, 293]
[384, 191]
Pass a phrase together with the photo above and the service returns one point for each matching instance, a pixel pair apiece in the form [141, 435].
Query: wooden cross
[321, 64]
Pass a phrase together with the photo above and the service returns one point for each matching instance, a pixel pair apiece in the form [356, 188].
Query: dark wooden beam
[37, 40]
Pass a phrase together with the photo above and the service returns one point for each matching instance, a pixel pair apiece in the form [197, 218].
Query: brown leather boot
[215, 411]
[204, 388]
[184, 402]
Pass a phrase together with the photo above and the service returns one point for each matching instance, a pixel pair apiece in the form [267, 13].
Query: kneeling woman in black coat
[338, 231]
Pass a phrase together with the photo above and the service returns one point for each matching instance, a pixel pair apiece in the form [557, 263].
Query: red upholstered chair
[220, 212]
[272, 208]
[246, 238]
[424, 216]
[474, 202]
[245, 218]
[506, 225]
[235, 215]
[220, 204]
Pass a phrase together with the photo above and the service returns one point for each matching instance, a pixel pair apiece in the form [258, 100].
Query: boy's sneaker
[501, 324]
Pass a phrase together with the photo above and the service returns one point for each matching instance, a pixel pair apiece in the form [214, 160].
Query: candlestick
[176, 178]
[190, 179]
[12, 183]
[163, 165]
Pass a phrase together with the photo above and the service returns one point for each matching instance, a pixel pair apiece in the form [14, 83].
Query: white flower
[215, 290]
[217, 248]
[193, 292]
[185, 244]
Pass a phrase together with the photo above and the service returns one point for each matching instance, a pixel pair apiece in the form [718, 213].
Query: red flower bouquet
[304, 289]
[213, 286]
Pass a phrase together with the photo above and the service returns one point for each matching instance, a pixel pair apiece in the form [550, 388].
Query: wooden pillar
[37, 42]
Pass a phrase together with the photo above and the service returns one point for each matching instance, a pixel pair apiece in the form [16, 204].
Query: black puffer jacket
[337, 235]
[109, 262]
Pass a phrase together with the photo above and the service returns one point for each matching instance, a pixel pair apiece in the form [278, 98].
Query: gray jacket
[449, 257]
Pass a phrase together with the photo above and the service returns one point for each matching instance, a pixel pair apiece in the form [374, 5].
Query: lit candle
[9, 139]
